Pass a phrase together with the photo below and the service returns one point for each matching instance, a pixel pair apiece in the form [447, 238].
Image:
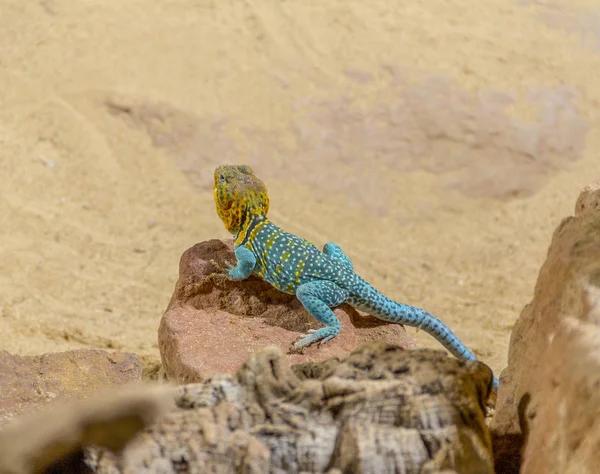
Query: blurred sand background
[439, 143]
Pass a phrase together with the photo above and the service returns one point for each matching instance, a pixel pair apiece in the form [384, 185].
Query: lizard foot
[312, 336]
[225, 268]
[223, 271]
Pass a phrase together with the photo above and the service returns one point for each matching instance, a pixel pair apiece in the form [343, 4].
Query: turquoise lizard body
[320, 279]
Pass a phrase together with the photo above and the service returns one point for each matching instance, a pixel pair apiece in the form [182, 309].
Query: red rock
[29, 382]
[213, 326]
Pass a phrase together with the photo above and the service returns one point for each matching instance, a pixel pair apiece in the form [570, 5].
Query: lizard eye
[222, 179]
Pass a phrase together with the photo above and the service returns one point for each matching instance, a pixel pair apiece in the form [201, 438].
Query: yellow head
[237, 193]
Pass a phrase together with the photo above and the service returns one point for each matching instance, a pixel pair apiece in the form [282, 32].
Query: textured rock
[563, 434]
[552, 345]
[29, 382]
[382, 410]
[212, 326]
[54, 439]
[589, 199]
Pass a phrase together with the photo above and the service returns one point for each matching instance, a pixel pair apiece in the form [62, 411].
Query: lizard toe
[224, 269]
[321, 336]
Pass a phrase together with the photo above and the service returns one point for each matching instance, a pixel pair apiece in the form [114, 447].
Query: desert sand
[439, 143]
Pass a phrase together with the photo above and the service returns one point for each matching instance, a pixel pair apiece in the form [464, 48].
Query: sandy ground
[440, 143]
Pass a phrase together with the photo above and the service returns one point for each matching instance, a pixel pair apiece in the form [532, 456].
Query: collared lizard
[320, 279]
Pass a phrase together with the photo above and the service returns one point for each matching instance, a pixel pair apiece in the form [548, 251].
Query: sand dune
[439, 144]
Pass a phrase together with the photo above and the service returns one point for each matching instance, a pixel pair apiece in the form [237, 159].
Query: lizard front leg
[318, 297]
[246, 261]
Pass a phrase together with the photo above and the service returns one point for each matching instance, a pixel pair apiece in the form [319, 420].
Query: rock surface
[213, 326]
[381, 410]
[588, 200]
[563, 433]
[29, 382]
[52, 441]
[554, 356]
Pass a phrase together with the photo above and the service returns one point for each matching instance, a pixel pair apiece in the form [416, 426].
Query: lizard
[320, 278]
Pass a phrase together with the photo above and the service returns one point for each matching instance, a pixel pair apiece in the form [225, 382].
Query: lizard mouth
[223, 204]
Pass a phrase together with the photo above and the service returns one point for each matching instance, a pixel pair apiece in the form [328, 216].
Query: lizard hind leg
[318, 297]
[335, 251]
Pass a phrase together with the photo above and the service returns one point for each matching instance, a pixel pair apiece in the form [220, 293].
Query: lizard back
[286, 261]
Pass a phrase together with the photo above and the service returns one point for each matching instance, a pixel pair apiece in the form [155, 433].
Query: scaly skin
[321, 280]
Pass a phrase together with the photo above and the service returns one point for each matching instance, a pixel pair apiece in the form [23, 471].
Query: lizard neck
[252, 222]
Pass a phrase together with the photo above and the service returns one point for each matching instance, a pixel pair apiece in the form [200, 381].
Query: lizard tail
[368, 299]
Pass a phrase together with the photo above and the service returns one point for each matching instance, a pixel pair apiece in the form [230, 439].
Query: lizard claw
[299, 346]
[223, 270]
[294, 349]
[312, 336]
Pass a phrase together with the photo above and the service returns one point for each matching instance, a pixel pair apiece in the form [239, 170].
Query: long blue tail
[368, 299]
